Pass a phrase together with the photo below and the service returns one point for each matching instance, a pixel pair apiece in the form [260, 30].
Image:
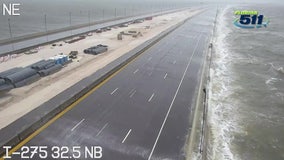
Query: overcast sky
[62, 6]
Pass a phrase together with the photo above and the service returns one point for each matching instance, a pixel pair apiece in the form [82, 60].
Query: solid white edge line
[101, 130]
[126, 135]
[114, 91]
[77, 125]
[166, 117]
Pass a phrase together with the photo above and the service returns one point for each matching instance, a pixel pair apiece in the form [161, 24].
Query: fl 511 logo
[250, 19]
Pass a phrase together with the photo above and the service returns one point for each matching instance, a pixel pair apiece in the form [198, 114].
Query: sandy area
[20, 101]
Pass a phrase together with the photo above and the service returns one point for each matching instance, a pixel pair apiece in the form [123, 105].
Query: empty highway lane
[144, 111]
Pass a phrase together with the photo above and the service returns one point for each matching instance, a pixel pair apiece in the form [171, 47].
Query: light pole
[45, 24]
[11, 36]
[124, 12]
[103, 14]
[115, 12]
[89, 16]
[70, 23]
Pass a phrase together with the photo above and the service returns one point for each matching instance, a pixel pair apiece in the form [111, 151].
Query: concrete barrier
[39, 34]
[196, 138]
[97, 25]
[199, 144]
[14, 133]
[207, 144]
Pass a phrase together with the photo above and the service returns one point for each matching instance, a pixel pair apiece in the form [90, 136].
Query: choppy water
[246, 105]
[33, 12]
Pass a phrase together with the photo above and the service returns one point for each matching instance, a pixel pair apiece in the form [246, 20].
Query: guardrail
[198, 141]
[206, 145]
[102, 24]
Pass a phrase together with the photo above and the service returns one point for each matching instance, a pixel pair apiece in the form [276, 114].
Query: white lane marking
[165, 75]
[132, 94]
[114, 91]
[102, 129]
[149, 100]
[126, 136]
[171, 105]
[132, 90]
[136, 71]
[149, 59]
[77, 125]
[174, 62]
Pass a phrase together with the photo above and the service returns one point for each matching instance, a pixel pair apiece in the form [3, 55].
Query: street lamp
[70, 23]
[89, 16]
[11, 36]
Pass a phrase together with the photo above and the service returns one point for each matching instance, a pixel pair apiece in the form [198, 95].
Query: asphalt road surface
[144, 111]
[43, 39]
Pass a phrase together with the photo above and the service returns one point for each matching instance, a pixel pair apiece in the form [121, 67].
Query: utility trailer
[96, 49]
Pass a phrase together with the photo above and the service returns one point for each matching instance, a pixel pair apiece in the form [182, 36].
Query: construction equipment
[73, 54]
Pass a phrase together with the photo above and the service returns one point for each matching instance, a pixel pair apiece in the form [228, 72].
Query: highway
[144, 111]
[6, 48]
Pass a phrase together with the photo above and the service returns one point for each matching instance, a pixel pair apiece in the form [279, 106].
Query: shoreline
[246, 99]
